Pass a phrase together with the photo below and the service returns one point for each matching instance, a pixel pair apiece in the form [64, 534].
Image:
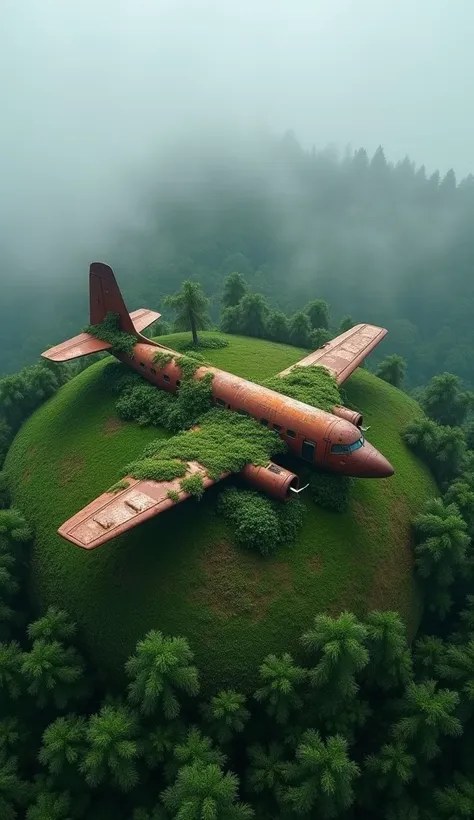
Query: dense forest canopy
[383, 242]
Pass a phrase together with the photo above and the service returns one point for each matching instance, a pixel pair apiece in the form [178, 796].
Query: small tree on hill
[390, 770]
[191, 306]
[390, 660]
[430, 715]
[253, 314]
[112, 748]
[54, 673]
[442, 541]
[338, 647]
[277, 326]
[159, 668]
[64, 745]
[392, 370]
[299, 329]
[235, 287]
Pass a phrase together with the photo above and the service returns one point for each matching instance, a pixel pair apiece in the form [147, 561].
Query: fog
[94, 95]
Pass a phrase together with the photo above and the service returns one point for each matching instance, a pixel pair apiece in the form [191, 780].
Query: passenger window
[178, 383]
[166, 377]
[142, 364]
[307, 450]
[277, 427]
[220, 402]
[291, 434]
[264, 422]
[153, 370]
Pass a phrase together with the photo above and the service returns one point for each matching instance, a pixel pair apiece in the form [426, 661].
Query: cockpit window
[347, 448]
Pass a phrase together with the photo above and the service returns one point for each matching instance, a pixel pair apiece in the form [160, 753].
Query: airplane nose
[372, 464]
[382, 467]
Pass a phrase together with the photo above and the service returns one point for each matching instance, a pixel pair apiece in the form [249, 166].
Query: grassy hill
[182, 572]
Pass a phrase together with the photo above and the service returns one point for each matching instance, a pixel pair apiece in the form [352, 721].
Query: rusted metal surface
[112, 514]
[332, 441]
[344, 354]
[271, 479]
[349, 415]
[81, 345]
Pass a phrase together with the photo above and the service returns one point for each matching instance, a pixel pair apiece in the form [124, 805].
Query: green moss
[312, 385]
[109, 331]
[119, 485]
[187, 364]
[173, 495]
[155, 469]
[183, 572]
[193, 485]
[162, 359]
[224, 443]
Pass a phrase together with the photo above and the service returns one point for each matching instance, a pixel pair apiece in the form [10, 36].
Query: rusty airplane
[332, 441]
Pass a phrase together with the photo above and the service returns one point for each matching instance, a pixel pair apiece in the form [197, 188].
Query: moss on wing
[119, 485]
[312, 385]
[165, 469]
[173, 495]
[193, 485]
[109, 331]
[224, 443]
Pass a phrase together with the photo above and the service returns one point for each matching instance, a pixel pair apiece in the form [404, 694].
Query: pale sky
[91, 90]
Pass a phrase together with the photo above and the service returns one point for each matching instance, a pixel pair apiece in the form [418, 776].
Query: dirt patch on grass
[242, 585]
[69, 468]
[112, 426]
[315, 563]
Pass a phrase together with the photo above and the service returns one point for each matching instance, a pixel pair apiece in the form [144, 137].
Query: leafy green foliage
[442, 541]
[159, 669]
[205, 343]
[235, 288]
[456, 802]
[55, 625]
[173, 495]
[53, 673]
[442, 448]
[109, 331]
[193, 485]
[64, 744]
[390, 660]
[156, 469]
[260, 522]
[12, 788]
[347, 323]
[444, 400]
[319, 337]
[330, 491]
[119, 485]
[12, 682]
[4, 491]
[312, 385]
[299, 329]
[390, 769]
[50, 806]
[392, 370]
[321, 777]
[318, 313]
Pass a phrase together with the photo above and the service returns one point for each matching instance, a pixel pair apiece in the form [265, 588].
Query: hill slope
[182, 573]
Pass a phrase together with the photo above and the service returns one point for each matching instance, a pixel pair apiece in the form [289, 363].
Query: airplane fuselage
[316, 436]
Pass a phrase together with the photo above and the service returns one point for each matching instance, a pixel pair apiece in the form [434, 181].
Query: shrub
[193, 485]
[259, 522]
[173, 495]
[330, 491]
[210, 342]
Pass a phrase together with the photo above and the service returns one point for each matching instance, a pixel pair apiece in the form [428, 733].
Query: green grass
[182, 572]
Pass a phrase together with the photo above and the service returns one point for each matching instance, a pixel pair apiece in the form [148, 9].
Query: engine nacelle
[272, 479]
[348, 415]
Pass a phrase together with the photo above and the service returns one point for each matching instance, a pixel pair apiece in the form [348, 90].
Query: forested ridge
[382, 242]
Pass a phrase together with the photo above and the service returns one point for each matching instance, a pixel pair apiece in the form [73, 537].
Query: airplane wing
[80, 345]
[345, 353]
[113, 513]
[143, 318]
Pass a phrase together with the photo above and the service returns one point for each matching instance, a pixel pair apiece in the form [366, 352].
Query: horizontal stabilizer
[81, 345]
[144, 318]
[113, 513]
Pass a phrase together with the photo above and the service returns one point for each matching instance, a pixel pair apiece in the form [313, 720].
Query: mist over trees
[381, 243]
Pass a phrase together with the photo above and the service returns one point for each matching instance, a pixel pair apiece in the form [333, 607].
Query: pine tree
[64, 744]
[338, 645]
[50, 806]
[112, 748]
[390, 770]
[282, 680]
[196, 748]
[53, 673]
[429, 717]
[55, 625]
[321, 777]
[266, 766]
[202, 792]
[235, 288]
[226, 715]
[159, 668]
[11, 678]
[191, 308]
[12, 789]
[392, 369]
[444, 400]
[456, 802]
[459, 667]
[390, 660]
[429, 657]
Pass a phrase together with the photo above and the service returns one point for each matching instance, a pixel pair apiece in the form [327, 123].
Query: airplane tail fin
[104, 298]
